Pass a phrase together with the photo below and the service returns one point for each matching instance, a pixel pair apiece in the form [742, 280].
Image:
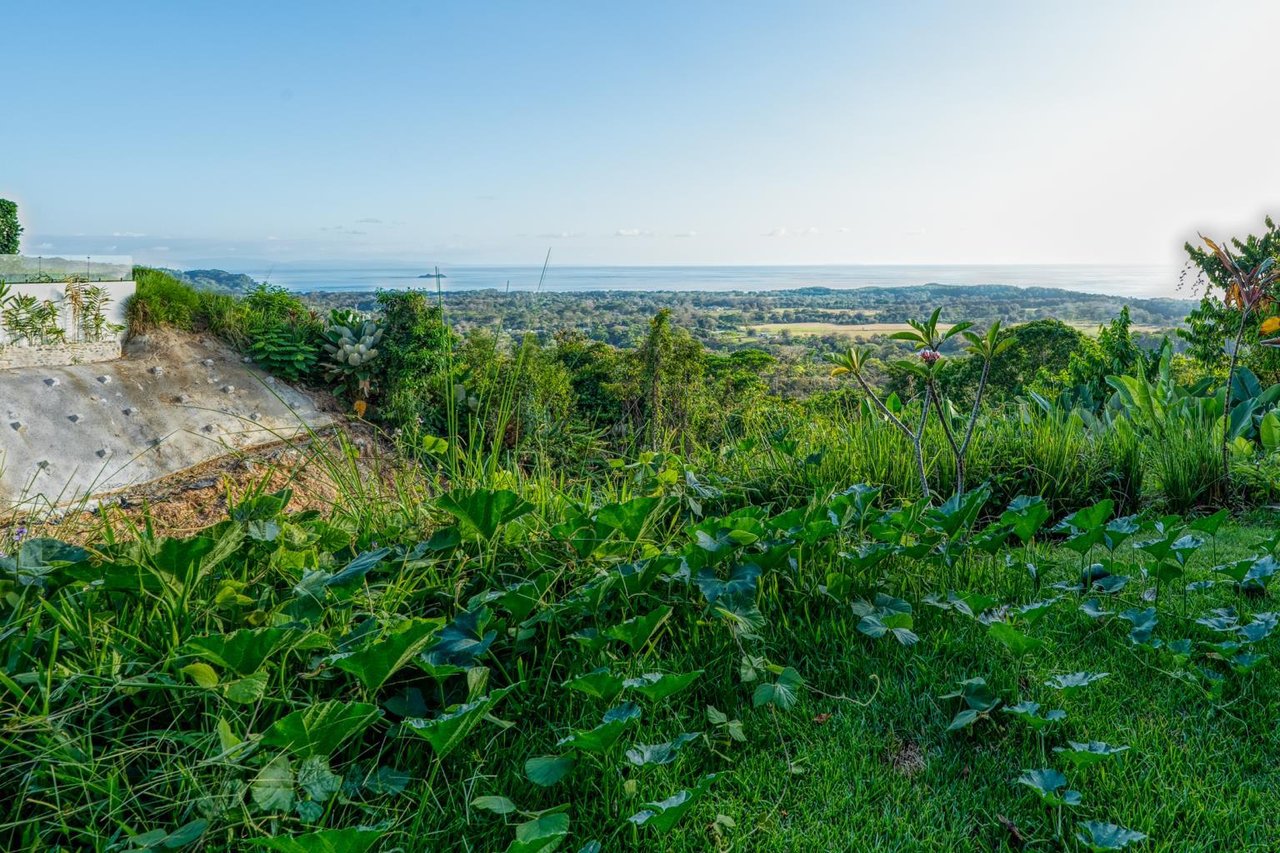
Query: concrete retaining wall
[15, 355]
[173, 402]
[89, 352]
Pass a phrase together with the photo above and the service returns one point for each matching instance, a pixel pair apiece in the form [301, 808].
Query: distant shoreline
[1126, 281]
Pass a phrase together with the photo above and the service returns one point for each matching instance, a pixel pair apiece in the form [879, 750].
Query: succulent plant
[352, 345]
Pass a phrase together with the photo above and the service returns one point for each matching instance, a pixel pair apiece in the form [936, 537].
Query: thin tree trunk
[951, 440]
[918, 440]
[977, 404]
[1226, 405]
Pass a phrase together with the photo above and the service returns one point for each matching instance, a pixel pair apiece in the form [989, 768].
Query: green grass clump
[162, 300]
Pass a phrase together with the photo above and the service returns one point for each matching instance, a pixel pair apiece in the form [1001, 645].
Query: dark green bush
[10, 228]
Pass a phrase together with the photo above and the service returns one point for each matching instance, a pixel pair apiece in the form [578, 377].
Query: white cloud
[686, 234]
[559, 235]
[793, 232]
[632, 232]
[43, 246]
[369, 221]
[127, 234]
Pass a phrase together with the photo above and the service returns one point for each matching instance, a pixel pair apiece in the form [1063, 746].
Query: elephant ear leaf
[661, 816]
[448, 730]
[483, 511]
[542, 834]
[357, 839]
[1098, 836]
[320, 729]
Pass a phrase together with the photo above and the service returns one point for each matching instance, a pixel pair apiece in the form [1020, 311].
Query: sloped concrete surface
[173, 402]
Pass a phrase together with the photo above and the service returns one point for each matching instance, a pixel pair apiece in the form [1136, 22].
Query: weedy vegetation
[626, 600]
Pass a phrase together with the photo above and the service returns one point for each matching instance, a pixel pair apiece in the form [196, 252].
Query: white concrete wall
[75, 351]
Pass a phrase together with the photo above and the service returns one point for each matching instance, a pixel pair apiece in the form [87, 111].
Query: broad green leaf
[780, 693]
[979, 701]
[1029, 713]
[740, 586]
[320, 729]
[600, 683]
[272, 788]
[1091, 517]
[1083, 755]
[243, 651]
[158, 839]
[601, 738]
[543, 834]
[659, 685]
[247, 690]
[1075, 681]
[1016, 641]
[381, 659]
[1260, 628]
[481, 511]
[1051, 786]
[1245, 663]
[387, 781]
[1099, 836]
[519, 599]
[636, 632]
[663, 815]
[315, 777]
[971, 604]
[629, 517]
[462, 641]
[660, 753]
[1032, 613]
[1117, 531]
[547, 770]
[495, 804]
[446, 731]
[355, 571]
[1209, 524]
[888, 615]
[1144, 624]
[201, 674]
[357, 839]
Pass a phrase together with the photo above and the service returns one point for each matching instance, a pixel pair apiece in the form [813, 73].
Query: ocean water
[1130, 281]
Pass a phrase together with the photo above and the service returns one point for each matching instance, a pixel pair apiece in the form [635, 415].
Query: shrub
[415, 354]
[283, 334]
[10, 229]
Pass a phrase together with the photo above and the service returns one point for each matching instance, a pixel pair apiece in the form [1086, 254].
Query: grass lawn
[889, 776]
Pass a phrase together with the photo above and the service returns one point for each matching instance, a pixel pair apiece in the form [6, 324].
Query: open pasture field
[866, 331]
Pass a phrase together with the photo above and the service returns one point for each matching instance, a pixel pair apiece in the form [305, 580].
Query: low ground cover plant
[527, 673]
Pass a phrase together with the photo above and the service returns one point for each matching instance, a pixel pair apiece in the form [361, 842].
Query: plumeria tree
[1249, 289]
[928, 338]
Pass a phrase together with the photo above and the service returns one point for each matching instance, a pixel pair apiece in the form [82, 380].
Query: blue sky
[842, 132]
